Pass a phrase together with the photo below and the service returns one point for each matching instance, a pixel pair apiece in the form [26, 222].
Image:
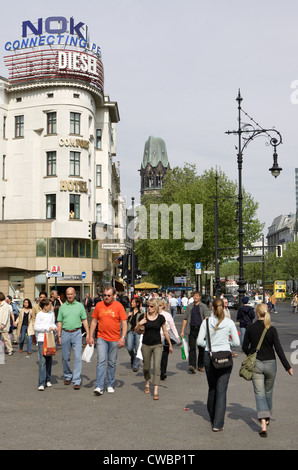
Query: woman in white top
[223, 335]
[44, 323]
[173, 334]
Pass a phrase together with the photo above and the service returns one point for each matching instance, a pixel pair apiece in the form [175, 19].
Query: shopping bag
[139, 351]
[49, 346]
[88, 353]
[184, 348]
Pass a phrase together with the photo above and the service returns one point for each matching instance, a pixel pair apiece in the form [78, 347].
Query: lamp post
[246, 133]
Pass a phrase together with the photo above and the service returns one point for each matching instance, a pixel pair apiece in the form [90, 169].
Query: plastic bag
[139, 351]
[184, 348]
[88, 353]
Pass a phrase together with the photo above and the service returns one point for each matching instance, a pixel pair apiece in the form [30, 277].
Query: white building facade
[58, 174]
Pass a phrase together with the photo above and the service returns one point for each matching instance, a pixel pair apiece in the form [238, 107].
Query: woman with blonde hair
[265, 370]
[223, 335]
[152, 344]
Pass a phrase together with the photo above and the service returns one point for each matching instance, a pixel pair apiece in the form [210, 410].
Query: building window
[41, 247]
[51, 163]
[98, 213]
[74, 167]
[75, 123]
[66, 248]
[98, 176]
[51, 123]
[98, 138]
[3, 207]
[74, 205]
[3, 166]
[19, 126]
[4, 127]
[51, 206]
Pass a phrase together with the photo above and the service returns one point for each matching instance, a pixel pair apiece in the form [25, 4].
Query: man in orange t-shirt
[109, 316]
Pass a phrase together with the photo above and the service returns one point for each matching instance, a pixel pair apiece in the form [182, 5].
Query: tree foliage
[166, 258]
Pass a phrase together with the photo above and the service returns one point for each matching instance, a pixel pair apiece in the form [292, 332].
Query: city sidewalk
[129, 420]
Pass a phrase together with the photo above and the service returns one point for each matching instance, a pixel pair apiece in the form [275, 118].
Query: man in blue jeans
[109, 315]
[70, 318]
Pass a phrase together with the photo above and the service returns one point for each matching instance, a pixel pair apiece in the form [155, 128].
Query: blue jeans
[45, 366]
[107, 352]
[218, 380]
[173, 312]
[72, 340]
[133, 340]
[22, 338]
[263, 382]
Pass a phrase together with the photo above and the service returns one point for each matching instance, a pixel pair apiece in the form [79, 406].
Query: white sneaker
[110, 390]
[41, 388]
[98, 391]
[49, 384]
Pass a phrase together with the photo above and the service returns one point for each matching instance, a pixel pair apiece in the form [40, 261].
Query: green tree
[166, 258]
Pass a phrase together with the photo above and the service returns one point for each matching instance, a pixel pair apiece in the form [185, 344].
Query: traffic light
[278, 251]
[123, 265]
[92, 230]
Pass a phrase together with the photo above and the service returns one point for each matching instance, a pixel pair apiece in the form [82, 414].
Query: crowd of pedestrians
[146, 326]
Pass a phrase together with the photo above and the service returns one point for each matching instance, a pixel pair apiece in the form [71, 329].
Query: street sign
[55, 269]
[113, 246]
[209, 272]
[180, 280]
[59, 274]
[198, 268]
[83, 274]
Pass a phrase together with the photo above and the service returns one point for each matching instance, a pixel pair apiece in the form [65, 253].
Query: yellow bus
[280, 289]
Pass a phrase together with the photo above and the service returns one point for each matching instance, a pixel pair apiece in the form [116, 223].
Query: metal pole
[133, 251]
[217, 279]
[241, 281]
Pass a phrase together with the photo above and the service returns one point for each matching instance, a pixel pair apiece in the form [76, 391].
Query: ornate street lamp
[246, 133]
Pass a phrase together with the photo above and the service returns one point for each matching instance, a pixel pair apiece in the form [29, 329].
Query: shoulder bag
[248, 365]
[140, 329]
[219, 359]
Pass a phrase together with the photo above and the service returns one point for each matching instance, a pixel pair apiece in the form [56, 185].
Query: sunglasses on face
[107, 295]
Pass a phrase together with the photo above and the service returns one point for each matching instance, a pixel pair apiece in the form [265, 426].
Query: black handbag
[219, 359]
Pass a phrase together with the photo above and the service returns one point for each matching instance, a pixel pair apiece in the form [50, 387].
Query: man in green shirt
[70, 318]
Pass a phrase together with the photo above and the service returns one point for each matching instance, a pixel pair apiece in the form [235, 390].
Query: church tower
[154, 166]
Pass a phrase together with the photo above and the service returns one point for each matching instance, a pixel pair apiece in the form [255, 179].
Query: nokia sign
[54, 48]
[54, 30]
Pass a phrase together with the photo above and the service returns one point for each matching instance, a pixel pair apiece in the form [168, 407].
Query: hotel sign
[73, 185]
[76, 143]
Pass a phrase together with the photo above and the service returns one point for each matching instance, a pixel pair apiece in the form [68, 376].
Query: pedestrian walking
[245, 316]
[25, 325]
[152, 345]
[71, 317]
[265, 370]
[133, 338]
[194, 314]
[5, 323]
[174, 337]
[223, 335]
[44, 323]
[109, 316]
